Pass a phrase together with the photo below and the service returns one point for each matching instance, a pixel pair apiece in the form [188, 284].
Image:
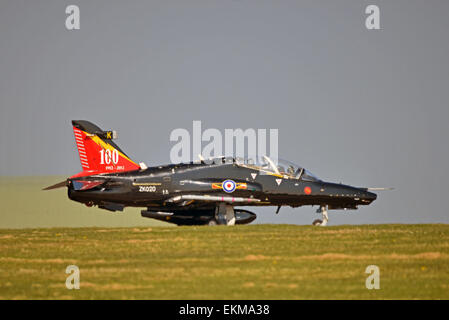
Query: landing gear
[322, 223]
[212, 222]
[224, 215]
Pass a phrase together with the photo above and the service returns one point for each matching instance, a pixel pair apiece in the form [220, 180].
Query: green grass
[240, 262]
[153, 260]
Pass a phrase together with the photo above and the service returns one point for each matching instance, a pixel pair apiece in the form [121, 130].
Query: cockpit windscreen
[279, 167]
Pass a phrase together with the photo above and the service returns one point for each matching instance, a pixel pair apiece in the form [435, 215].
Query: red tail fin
[97, 152]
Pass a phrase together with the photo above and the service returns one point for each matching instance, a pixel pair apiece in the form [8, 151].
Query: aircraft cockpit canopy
[284, 168]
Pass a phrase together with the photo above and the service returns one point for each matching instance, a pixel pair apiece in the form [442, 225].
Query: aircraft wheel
[212, 223]
[323, 211]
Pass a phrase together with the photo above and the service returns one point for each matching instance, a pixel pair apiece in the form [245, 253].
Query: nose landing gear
[325, 217]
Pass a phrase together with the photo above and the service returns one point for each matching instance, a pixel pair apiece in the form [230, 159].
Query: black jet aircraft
[205, 192]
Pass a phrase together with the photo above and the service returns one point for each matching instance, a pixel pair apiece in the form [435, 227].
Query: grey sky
[367, 108]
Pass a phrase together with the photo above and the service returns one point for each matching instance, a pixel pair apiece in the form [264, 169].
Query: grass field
[240, 262]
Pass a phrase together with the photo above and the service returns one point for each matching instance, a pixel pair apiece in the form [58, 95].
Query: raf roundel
[228, 186]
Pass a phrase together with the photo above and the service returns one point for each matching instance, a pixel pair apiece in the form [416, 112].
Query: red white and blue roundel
[228, 186]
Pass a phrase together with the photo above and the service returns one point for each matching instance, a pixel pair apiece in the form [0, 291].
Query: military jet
[203, 192]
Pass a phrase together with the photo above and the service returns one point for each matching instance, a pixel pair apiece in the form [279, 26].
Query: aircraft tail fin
[97, 151]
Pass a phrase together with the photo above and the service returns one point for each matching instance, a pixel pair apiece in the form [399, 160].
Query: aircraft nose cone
[370, 196]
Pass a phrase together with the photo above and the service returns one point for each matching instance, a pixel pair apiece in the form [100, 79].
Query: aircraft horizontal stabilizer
[56, 186]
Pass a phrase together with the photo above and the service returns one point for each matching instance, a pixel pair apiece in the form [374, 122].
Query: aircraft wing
[207, 198]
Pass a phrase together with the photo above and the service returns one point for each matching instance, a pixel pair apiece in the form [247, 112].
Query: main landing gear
[323, 211]
[224, 215]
